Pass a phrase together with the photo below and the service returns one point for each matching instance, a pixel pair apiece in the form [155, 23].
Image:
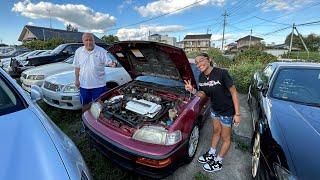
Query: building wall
[28, 36]
[164, 39]
[196, 45]
[242, 43]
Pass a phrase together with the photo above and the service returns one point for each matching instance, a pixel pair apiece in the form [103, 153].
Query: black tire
[195, 133]
[261, 173]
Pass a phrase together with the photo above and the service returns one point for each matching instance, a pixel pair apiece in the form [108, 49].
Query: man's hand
[113, 64]
[188, 86]
[77, 83]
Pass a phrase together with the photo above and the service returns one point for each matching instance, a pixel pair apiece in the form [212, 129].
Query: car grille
[51, 86]
[24, 76]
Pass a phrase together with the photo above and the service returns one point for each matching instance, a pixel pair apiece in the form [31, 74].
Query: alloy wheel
[255, 155]
[193, 141]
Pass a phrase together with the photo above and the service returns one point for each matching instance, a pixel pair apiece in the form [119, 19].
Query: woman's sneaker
[212, 166]
[206, 157]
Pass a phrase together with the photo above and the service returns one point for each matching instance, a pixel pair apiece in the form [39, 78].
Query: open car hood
[153, 59]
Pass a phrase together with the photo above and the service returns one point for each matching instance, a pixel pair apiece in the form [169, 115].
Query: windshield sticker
[319, 76]
[137, 53]
[120, 55]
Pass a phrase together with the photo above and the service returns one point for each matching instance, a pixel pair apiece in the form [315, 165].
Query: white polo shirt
[92, 65]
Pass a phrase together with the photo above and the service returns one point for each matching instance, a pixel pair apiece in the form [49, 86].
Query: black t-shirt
[216, 86]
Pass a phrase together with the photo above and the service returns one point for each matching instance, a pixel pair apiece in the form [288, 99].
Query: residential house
[163, 39]
[244, 42]
[199, 42]
[41, 33]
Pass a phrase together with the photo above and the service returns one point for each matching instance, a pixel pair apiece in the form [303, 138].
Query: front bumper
[127, 158]
[69, 101]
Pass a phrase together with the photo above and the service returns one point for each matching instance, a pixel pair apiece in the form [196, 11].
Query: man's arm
[77, 73]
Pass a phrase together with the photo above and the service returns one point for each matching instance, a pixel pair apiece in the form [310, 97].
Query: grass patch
[70, 123]
[201, 176]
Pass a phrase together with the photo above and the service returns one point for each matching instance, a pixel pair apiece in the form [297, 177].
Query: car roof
[295, 64]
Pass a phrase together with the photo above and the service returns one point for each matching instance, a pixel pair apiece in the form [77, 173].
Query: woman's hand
[236, 120]
[188, 86]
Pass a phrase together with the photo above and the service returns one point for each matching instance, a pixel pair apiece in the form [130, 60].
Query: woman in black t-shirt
[217, 84]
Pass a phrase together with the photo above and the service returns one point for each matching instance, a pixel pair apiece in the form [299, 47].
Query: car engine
[137, 104]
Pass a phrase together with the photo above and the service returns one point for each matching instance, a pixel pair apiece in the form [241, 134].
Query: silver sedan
[31, 145]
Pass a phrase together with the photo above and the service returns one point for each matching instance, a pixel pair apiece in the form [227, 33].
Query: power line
[156, 17]
[270, 20]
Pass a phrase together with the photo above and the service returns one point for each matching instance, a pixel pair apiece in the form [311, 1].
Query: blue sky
[183, 17]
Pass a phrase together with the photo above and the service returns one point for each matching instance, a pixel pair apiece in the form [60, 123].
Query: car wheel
[257, 171]
[193, 143]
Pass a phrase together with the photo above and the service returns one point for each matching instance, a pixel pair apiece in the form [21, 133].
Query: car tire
[257, 166]
[193, 142]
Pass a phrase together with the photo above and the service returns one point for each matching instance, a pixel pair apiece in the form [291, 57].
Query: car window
[268, 71]
[69, 60]
[196, 72]
[9, 99]
[299, 85]
[58, 49]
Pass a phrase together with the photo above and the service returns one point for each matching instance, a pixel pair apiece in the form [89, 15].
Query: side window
[268, 71]
[68, 49]
[74, 47]
[114, 59]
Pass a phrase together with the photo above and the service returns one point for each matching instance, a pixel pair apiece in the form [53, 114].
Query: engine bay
[137, 103]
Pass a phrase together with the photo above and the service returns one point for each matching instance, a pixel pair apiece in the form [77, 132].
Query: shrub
[39, 44]
[252, 56]
[242, 74]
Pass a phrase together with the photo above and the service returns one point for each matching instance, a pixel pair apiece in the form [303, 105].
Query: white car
[36, 75]
[60, 91]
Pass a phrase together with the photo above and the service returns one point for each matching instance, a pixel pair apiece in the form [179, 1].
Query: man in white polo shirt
[89, 62]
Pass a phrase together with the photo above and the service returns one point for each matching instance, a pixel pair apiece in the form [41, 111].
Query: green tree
[312, 41]
[109, 39]
[69, 27]
[39, 44]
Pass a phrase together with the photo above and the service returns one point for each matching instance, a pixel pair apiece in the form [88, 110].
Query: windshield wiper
[312, 104]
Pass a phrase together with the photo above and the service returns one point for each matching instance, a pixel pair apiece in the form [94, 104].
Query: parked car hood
[154, 59]
[49, 69]
[300, 127]
[27, 151]
[68, 77]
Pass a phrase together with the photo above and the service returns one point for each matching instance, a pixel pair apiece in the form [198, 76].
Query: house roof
[43, 33]
[198, 36]
[248, 38]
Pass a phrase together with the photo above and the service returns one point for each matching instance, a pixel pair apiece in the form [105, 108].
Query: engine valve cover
[143, 107]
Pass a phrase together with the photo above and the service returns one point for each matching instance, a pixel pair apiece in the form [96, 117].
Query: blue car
[285, 106]
[31, 145]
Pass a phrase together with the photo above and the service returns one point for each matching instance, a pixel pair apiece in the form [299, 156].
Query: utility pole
[224, 26]
[250, 39]
[49, 18]
[290, 47]
[304, 45]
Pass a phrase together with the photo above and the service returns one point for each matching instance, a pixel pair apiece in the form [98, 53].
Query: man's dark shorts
[89, 95]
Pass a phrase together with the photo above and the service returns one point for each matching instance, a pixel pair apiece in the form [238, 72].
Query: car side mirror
[36, 93]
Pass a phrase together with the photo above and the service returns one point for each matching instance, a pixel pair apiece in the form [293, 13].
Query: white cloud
[124, 4]
[218, 37]
[165, 6]
[281, 5]
[75, 14]
[30, 23]
[142, 32]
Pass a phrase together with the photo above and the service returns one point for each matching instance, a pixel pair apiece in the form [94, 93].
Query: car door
[257, 91]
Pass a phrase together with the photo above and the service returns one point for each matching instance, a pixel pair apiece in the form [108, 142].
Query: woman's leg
[226, 140]
[216, 132]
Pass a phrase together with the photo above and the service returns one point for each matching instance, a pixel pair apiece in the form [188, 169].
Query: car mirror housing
[36, 93]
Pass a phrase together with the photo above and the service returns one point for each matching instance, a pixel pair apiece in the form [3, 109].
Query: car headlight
[36, 77]
[282, 173]
[70, 89]
[96, 109]
[157, 135]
